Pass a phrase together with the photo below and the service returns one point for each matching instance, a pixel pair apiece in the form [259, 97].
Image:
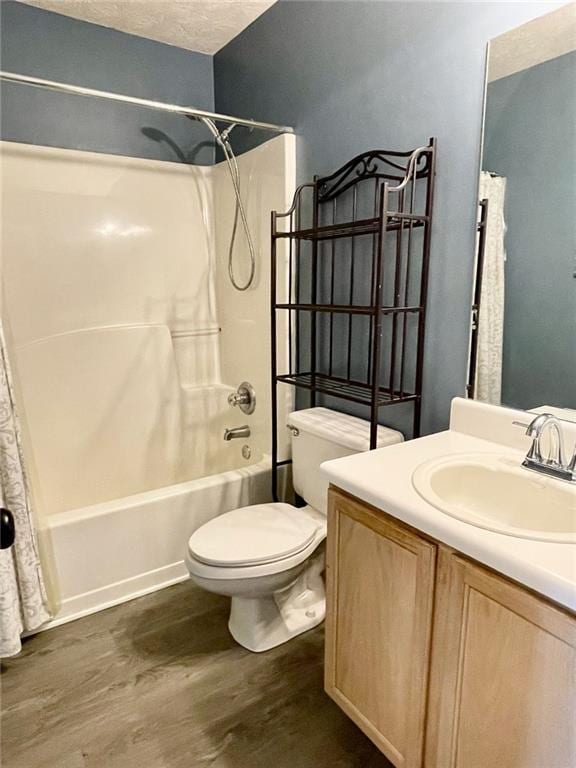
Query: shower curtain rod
[78, 90]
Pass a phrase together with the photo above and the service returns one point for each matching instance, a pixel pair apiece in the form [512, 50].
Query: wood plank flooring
[159, 683]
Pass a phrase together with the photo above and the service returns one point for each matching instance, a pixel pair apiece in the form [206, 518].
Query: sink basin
[495, 492]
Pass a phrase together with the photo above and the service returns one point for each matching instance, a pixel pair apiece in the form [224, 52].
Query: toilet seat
[253, 541]
[254, 535]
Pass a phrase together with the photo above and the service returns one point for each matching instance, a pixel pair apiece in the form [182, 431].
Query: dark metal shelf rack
[350, 262]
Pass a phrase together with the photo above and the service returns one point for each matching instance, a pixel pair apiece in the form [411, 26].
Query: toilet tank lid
[341, 429]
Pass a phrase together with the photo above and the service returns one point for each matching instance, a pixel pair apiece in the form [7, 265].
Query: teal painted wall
[353, 76]
[531, 140]
[55, 47]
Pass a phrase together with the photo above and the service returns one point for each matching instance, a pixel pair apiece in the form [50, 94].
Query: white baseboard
[113, 594]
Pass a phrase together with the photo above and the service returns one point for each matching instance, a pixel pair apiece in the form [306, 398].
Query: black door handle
[7, 531]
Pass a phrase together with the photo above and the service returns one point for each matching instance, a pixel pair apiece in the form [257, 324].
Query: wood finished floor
[159, 683]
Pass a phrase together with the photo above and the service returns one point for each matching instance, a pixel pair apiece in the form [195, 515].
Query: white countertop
[383, 478]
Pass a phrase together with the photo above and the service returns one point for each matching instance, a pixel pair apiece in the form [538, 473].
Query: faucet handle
[244, 397]
[238, 398]
[523, 424]
[538, 422]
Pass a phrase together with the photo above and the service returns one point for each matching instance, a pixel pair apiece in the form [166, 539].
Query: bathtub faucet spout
[231, 434]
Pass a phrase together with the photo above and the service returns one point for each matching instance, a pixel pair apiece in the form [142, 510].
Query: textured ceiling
[198, 25]
[533, 43]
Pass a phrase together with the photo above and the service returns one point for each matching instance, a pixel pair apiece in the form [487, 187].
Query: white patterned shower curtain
[23, 600]
[488, 384]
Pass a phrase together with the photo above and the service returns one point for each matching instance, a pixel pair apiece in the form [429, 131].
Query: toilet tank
[320, 434]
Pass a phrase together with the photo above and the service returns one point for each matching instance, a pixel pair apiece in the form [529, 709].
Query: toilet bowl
[269, 558]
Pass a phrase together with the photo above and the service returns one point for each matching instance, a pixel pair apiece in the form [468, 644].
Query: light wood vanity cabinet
[440, 661]
[380, 579]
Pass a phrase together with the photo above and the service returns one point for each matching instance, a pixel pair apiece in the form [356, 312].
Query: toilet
[269, 558]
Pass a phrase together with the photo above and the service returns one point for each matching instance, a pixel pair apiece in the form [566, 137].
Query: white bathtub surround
[269, 558]
[268, 176]
[117, 258]
[23, 598]
[127, 343]
[384, 478]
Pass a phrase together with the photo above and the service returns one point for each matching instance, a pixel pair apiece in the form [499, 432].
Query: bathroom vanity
[449, 644]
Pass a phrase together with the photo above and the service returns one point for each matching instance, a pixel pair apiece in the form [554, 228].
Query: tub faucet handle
[244, 397]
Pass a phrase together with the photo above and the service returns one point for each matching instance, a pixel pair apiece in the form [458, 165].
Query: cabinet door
[380, 579]
[503, 685]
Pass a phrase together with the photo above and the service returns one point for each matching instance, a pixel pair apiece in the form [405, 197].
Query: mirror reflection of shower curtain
[488, 384]
[23, 599]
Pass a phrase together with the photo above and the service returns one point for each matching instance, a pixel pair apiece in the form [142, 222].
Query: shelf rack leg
[377, 278]
[274, 362]
[424, 289]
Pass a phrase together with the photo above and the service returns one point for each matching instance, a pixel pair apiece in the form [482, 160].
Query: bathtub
[112, 552]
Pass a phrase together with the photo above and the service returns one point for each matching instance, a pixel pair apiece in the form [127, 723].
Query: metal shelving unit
[357, 251]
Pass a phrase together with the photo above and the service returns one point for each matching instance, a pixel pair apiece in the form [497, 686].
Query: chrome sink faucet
[555, 463]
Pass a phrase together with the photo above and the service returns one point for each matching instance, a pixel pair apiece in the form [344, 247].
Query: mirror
[523, 350]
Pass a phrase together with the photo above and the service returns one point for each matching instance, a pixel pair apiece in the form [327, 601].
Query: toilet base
[262, 623]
